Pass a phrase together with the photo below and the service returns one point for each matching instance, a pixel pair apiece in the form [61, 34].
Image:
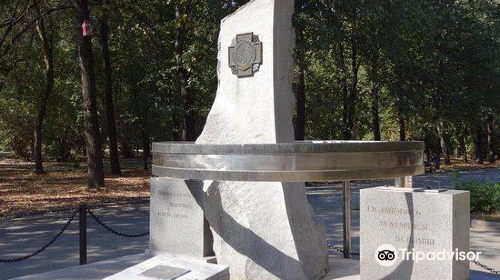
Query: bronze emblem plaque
[245, 55]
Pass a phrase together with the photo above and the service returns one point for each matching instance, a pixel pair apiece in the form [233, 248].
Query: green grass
[484, 198]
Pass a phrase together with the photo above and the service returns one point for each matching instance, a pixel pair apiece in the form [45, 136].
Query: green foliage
[422, 61]
[63, 124]
[484, 196]
[18, 111]
[428, 61]
[15, 132]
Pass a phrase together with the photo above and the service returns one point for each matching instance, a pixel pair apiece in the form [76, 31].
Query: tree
[299, 80]
[108, 92]
[48, 57]
[395, 70]
[490, 129]
[89, 101]
[188, 126]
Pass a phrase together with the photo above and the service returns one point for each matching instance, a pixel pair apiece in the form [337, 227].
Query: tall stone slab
[261, 230]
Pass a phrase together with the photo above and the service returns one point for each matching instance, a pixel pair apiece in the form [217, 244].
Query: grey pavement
[436, 180]
[5, 155]
[24, 235]
[340, 269]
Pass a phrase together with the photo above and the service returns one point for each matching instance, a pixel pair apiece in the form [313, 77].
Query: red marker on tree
[87, 28]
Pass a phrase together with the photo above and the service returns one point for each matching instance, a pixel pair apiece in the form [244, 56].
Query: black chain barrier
[63, 229]
[108, 228]
[341, 250]
[483, 266]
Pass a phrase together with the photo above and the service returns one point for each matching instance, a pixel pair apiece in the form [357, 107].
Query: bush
[484, 196]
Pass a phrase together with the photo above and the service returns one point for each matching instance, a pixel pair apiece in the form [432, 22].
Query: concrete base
[173, 267]
[345, 269]
[340, 269]
[94, 271]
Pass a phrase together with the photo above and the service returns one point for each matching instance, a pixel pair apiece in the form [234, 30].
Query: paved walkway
[340, 269]
[437, 180]
[24, 235]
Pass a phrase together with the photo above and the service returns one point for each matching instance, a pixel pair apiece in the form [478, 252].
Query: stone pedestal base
[166, 267]
[421, 221]
[341, 269]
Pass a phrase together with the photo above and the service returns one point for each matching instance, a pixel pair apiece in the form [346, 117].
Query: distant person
[435, 164]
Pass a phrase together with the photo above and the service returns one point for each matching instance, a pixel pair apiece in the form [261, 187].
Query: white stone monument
[261, 230]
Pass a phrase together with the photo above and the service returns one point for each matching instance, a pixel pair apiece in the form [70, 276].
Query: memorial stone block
[416, 221]
[177, 223]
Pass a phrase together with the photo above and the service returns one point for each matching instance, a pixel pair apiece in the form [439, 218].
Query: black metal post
[83, 234]
[346, 187]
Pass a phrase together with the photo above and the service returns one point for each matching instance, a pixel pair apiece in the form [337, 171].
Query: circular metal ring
[288, 162]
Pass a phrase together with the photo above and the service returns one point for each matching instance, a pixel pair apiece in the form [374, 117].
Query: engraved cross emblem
[245, 55]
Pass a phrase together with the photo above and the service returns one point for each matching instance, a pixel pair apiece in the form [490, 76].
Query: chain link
[483, 266]
[341, 250]
[63, 229]
[487, 268]
[108, 228]
[101, 223]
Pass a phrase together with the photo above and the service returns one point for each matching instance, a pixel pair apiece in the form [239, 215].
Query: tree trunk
[402, 126]
[442, 140]
[401, 116]
[146, 150]
[353, 96]
[346, 133]
[400, 103]
[479, 144]
[49, 85]
[375, 114]
[37, 155]
[462, 148]
[89, 102]
[427, 149]
[301, 104]
[188, 124]
[108, 92]
[490, 129]
[300, 87]
[142, 111]
[353, 91]
[374, 94]
[170, 101]
[438, 102]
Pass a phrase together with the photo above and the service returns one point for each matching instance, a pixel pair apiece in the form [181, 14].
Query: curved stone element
[289, 162]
